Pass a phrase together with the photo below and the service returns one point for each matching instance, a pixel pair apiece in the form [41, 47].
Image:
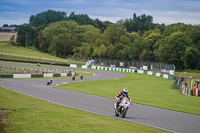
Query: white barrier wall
[73, 65]
[197, 92]
[98, 67]
[84, 66]
[21, 75]
[140, 71]
[149, 73]
[165, 76]
[158, 74]
[63, 74]
[93, 67]
[48, 75]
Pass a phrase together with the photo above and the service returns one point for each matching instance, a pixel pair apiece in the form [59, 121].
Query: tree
[175, 48]
[44, 18]
[136, 48]
[5, 25]
[62, 44]
[59, 37]
[90, 33]
[113, 33]
[190, 57]
[25, 35]
[139, 23]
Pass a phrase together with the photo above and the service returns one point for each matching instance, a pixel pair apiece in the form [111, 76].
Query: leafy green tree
[136, 48]
[190, 58]
[174, 49]
[102, 51]
[46, 17]
[60, 33]
[83, 51]
[81, 19]
[139, 23]
[113, 33]
[111, 51]
[62, 44]
[91, 33]
[25, 35]
[5, 25]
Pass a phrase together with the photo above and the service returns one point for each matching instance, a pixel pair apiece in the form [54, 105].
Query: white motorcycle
[122, 108]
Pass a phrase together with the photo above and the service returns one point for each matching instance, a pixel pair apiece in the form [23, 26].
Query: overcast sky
[162, 11]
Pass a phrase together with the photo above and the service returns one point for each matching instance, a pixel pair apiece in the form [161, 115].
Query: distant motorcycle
[122, 108]
[81, 76]
[73, 77]
[49, 82]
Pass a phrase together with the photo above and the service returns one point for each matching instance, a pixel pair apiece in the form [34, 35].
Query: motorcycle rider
[49, 82]
[121, 95]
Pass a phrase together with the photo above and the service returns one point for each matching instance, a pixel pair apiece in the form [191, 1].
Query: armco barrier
[79, 66]
[166, 76]
[36, 75]
[56, 75]
[6, 76]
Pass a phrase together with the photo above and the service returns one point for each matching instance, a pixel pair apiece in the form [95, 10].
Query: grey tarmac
[163, 119]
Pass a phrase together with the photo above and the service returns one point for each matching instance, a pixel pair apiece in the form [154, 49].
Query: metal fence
[156, 66]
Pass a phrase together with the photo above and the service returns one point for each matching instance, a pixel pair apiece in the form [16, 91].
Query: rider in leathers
[121, 95]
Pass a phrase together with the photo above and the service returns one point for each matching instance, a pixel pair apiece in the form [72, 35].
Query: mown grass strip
[29, 114]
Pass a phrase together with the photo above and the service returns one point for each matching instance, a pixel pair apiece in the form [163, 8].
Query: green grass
[31, 115]
[187, 74]
[31, 54]
[143, 89]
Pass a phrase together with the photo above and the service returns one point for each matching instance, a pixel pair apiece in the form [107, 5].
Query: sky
[163, 11]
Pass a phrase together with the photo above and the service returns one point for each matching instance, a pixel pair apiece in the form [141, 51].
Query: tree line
[137, 38]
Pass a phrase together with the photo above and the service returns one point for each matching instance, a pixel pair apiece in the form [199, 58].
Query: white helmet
[125, 90]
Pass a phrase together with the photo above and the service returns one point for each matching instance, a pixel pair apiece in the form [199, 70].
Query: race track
[171, 121]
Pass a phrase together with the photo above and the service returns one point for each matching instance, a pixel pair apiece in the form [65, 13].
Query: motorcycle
[81, 76]
[122, 108]
[49, 82]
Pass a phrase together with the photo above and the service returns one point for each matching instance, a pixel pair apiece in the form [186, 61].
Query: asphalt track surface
[167, 120]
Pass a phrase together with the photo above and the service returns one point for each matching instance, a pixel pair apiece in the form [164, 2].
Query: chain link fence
[124, 63]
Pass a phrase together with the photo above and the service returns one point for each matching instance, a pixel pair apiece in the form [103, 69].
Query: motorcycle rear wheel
[116, 113]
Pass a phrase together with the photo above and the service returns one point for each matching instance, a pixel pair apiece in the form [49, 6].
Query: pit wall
[34, 75]
[162, 75]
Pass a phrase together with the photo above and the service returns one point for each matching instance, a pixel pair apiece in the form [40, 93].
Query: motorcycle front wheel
[123, 112]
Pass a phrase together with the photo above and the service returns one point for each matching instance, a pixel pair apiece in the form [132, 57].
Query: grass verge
[29, 114]
[143, 89]
[11, 52]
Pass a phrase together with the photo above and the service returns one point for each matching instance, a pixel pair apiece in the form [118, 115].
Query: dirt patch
[3, 120]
